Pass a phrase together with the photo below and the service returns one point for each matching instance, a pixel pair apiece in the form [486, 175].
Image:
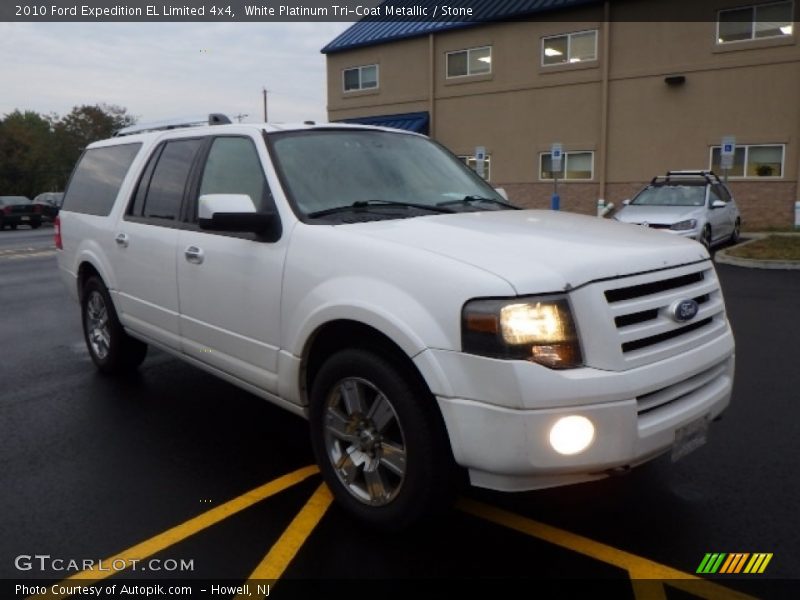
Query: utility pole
[264, 90]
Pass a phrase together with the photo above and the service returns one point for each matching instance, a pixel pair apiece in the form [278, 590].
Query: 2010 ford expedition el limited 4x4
[366, 279]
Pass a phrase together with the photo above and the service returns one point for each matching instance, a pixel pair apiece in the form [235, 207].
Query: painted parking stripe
[647, 575]
[186, 529]
[288, 545]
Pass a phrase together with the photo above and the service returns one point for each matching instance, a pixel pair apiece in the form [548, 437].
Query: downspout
[602, 206]
[431, 86]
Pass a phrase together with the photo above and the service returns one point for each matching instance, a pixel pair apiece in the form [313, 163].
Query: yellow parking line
[638, 568]
[288, 545]
[186, 529]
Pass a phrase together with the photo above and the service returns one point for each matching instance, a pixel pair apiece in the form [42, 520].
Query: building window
[474, 61]
[755, 22]
[575, 165]
[569, 48]
[753, 161]
[360, 78]
[473, 164]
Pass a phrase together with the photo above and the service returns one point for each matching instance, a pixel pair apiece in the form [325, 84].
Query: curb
[721, 256]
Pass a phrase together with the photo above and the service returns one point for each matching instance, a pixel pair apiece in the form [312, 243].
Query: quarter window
[752, 161]
[360, 78]
[575, 165]
[569, 48]
[97, 179]
[473, 61]
[755, 22]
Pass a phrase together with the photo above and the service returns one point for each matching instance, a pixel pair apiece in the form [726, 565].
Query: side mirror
[626, 201]
[502, 193]
[718, 204]
[231, 212]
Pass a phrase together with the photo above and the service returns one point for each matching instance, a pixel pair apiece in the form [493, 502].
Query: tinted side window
[165, 192]
[233, 167]
[97, 178]
[720, 193]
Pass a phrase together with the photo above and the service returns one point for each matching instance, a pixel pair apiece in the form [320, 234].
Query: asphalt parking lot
[175, 465]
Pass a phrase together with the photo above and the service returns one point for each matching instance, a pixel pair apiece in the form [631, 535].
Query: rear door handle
[194, 255]
[122, 239]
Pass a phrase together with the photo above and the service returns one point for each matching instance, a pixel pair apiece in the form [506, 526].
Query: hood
[537, 251]
[657, 215]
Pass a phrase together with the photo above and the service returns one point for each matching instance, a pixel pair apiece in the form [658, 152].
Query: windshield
[375, 170]
[671, 195]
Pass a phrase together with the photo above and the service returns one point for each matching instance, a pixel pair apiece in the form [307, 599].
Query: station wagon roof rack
[165, 124]
[709, 176]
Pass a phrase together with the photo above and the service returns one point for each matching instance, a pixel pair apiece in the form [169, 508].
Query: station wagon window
[97, 179]
[575, 165]
[752, 161]
[233, 167]
[569, 48]
[360, 78]
[755, 22]
[473, 61]
[160, 191]
[473, 164]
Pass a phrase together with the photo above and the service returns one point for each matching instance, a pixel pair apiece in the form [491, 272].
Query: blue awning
[416, 121]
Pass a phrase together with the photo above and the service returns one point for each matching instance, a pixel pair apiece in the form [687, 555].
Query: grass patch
[773, 247]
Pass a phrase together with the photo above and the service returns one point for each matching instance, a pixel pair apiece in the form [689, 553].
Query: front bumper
[635, 413]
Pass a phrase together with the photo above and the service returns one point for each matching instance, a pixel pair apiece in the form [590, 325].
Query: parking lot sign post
[727, 153]
[556, 158]
[480, 161]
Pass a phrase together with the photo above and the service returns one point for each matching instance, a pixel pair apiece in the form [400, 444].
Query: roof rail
[165, 124]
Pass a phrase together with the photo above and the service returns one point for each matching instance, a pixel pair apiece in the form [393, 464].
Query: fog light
[571, 435]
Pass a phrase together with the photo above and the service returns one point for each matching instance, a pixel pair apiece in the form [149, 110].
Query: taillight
[57, 233]
[7, 210]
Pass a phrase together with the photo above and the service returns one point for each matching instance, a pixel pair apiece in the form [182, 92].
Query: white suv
[366, 279]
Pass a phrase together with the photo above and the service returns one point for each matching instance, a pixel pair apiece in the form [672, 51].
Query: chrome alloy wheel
[364, 441]
[97, 330]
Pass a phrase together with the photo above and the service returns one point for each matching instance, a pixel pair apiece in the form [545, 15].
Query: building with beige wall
[627, 97]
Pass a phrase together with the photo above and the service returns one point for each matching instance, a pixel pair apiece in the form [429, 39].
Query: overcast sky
[163, 70]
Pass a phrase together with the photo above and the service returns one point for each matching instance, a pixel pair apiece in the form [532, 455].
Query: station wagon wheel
[379, 441]
[111, 349]
[706, 237]
[737, 231]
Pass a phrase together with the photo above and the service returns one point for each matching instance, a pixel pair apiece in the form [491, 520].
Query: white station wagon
[366, 279]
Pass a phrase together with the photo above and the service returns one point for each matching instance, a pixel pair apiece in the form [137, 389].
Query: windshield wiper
[467, 200]
[363, 204]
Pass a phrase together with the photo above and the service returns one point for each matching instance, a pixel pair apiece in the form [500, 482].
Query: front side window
[473, 61]
[569, 48]
[574, 165]
[323, 170]
[752, 161]
[755, 22]
[97, 179]
[360, 78]
[233, 167]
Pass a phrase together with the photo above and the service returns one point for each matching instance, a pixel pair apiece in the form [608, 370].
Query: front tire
[379, 441]
[737, 231]
[112, 350]
[706, 237]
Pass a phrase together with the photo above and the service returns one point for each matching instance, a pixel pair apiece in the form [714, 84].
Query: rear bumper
[21, 219]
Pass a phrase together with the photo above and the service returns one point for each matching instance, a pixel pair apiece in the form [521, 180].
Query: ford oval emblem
[684, 310]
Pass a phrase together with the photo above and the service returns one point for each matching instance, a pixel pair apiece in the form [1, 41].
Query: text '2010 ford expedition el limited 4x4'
[368, 280]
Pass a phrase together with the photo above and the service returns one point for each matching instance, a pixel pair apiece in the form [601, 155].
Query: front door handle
[194, 255]
[122, 239]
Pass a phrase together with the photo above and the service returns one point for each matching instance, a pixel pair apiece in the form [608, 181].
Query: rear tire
[112, 350]
[380, 441]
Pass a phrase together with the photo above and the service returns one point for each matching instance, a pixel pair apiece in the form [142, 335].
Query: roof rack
[164, 125]
[709, 176]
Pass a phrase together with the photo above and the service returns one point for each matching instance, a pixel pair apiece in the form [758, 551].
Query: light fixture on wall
[675, 80]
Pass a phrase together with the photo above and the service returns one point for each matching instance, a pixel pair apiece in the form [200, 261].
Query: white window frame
[747, 160]
[487, 164]
[568, 60]
[467, 51]
[564, 163]
[360, 87]
[753, 37]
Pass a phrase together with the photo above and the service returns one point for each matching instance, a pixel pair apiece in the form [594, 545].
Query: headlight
[684, 225]
[536, 329]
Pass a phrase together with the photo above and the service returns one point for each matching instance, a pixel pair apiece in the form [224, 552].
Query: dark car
[19, 210]
[50, 203]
